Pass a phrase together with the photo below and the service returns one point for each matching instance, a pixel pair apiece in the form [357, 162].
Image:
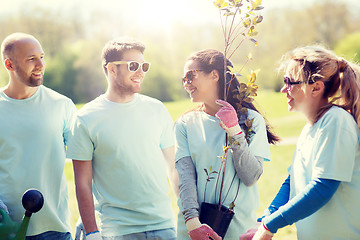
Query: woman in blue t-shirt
[200, 138]
[321, 194]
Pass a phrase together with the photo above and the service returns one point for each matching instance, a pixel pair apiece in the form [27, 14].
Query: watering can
[32, 201]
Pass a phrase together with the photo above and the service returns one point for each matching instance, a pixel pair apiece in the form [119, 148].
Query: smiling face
[28, 63]
[123, 82]
[298, 98]
[204, 86]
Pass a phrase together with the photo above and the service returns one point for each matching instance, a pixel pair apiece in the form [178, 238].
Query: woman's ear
[318, 88]
[215, 75]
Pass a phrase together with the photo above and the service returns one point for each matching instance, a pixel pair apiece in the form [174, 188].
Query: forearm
[169, 155]
[86, 209]
[187, 186]
[83, 187]
[315, 195]
[248, 167]
[174, 182]
[281, 198]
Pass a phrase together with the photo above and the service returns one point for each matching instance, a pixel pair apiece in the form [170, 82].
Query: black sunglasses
[289, 84]
[189, 76]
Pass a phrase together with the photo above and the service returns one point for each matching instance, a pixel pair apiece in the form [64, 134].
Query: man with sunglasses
[122, 146]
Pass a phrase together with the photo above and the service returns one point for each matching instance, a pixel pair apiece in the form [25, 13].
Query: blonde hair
[341, 77]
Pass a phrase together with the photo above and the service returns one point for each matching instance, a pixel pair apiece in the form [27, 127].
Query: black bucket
[218, 219]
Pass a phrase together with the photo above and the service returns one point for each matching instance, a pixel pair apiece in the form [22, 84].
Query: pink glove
[228, 118]
[263, 233]
[198, 231]
[248, 235]
[203, 233]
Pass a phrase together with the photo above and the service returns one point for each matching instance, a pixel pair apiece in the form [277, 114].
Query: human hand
[94, 236]
[198, 231]
[266, 213]
[263, 233]
[248, 235]
[80, 230]
[228, 118]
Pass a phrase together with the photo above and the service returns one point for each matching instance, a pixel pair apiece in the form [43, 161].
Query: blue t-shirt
[200, 136]
[33, 133]
[329, 149]
[125, 142]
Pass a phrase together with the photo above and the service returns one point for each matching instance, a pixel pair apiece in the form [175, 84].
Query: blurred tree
[73, 44]
[55, 31]
[285, 29]
[167, 52]
[329, 26]
[61, 74]
[156, 84]
[91, 81]
[349, 47]
[53, 28]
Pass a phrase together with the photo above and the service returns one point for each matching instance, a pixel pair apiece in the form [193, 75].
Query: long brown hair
[340, 77]
[210, 60]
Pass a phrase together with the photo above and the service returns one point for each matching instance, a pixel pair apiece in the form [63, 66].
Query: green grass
[275, 173]
[274, 107]
[176, 109]
[286, 125]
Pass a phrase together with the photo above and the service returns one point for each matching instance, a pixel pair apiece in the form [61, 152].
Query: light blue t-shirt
[200, 136]
[330, 149]
[125, 142]
[33, 133]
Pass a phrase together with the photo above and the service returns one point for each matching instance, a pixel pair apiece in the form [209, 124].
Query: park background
[73, 32]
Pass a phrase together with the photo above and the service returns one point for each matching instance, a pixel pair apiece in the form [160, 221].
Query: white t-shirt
[125, 142]
[329, 149]
[33, 133]
[200, 136]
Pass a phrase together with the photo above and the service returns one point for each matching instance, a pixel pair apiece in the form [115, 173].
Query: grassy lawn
[286, 125]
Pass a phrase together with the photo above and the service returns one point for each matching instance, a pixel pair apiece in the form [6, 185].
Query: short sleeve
[167, 136]
[80, 145]
[259, 145]
[70, 113]
[181, 143]
[335, 150]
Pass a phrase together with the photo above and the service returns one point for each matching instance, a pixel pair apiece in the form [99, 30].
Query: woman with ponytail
[321, 194]
[200, 137]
